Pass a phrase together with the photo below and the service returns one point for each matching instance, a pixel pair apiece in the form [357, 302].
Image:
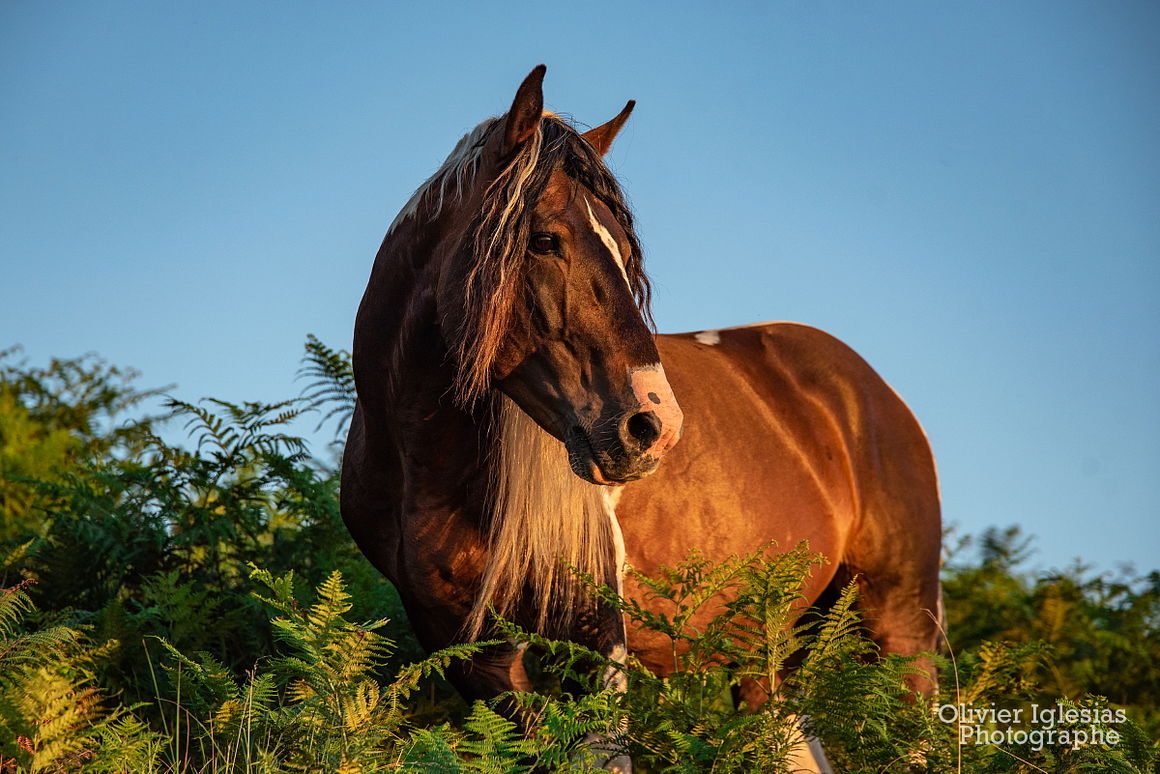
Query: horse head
[542, 294]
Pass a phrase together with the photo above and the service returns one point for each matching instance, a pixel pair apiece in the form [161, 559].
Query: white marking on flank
[709, 337]
[608, 241]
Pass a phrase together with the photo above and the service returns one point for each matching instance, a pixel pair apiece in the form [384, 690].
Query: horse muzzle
[630, 447]
[609, 464]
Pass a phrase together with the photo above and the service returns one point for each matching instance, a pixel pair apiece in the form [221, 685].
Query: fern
[236, 431]
[332, 390]
[51, 713]
[431, 751]
[494, 744]
[131, 538]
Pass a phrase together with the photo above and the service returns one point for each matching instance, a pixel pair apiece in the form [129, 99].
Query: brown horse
[512, 402]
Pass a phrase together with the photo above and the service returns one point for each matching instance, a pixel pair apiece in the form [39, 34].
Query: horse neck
[398, 355]
[403, 373]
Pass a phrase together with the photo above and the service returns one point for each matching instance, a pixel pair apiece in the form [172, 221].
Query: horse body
[513, 411]
[792, 436]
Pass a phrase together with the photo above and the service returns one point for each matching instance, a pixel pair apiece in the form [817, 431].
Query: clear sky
[969, 194]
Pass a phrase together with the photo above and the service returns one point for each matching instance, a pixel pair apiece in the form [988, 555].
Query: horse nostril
[644, 428]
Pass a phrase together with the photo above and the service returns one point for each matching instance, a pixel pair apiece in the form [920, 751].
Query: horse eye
[543, 243]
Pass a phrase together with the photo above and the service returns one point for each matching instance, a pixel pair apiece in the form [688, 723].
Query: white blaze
[608, 241]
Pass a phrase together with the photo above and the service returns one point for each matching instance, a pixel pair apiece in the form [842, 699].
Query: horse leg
[498, 669]
[615, 649]
[806, 755]
[903, 617]
[895, 558]
[611, 640]
[895, 552]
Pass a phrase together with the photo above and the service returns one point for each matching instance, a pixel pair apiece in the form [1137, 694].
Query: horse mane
[545, 521]
[546, 525]
[459, 166]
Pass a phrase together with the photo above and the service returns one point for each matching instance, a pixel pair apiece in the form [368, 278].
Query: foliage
[136, 633]
[55, 417]
[837, 689]
[318, 707]
[1101, 632]
[51, 713]
[157, 542]
[332, 390]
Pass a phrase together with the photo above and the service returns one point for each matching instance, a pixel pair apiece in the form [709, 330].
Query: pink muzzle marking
[653, 393]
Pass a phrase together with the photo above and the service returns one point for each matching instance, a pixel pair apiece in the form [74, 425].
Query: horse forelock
[546, 524]
[495, 249]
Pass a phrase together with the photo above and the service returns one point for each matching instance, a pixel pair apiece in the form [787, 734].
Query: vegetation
[200, 608]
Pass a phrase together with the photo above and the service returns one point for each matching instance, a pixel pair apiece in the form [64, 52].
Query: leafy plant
[55, 418]
[1100, 633]
[52, 715]
[131, 638]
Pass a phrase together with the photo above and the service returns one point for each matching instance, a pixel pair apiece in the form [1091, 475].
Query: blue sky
[969, 194]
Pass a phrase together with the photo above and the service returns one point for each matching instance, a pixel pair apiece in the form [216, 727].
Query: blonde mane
[546, 524]
[458, 168]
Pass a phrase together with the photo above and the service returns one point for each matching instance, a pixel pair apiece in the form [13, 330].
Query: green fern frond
[412, 676]
[432, 751]
[332, 385]
[493, 744]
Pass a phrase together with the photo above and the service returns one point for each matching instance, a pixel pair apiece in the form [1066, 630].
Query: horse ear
[602, 136]
[527, 110]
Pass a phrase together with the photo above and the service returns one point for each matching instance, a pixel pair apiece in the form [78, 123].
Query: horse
[514, 406]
